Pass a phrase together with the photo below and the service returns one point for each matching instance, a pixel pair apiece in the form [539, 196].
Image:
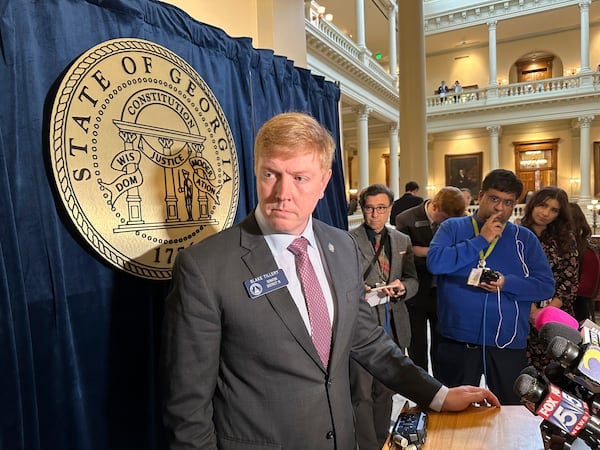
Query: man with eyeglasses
[489, 271]
[387, 260]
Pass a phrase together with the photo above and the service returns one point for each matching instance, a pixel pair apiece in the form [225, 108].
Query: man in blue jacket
[489, 272]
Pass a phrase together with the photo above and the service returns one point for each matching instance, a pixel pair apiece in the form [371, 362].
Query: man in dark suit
[408, 200]
[420, 223]
[243, 357]
[387, 260]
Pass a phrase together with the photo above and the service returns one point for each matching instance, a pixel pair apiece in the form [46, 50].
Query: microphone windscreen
[562, 350]
[527, 388]
[553, 329]
[553, 314]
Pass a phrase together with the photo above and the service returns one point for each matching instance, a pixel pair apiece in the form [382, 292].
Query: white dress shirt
[278, 243]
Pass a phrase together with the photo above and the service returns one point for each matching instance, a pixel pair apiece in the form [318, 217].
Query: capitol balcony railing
[326, 40]
[560, 87]
[560, 84]
[468, 98]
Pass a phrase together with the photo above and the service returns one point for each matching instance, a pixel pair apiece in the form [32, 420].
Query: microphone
[565, 413]
[558, 375]
[550, 314]
[552, 436]
[533, 373]
[582, 363]
[552, 329]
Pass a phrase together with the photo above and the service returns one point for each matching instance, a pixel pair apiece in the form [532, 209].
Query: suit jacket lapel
[367, 252]
[395, 258]
[363, 242]
[259, 260]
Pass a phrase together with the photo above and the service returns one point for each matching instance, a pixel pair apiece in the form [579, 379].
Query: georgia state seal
[142, 155]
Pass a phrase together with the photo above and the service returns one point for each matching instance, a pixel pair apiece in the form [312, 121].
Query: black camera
[488, 275]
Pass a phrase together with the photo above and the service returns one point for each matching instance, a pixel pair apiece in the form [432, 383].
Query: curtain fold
[80, 338]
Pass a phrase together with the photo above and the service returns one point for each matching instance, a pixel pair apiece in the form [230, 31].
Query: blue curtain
[79, 339]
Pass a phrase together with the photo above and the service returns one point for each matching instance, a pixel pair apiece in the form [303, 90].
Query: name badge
[265, 283]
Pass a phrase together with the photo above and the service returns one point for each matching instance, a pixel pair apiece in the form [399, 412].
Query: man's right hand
[492, 227]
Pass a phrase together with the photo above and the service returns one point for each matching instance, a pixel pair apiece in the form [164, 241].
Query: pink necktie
[320, 325]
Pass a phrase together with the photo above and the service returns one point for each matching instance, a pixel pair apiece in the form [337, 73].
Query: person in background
[489, 272]
[420, 224]
[457, 91]
[589, 265]
[387, 260]
[352, 205]
[262, 318]
[466, 193]
[548, 215]
[408, 200]
[442, 91]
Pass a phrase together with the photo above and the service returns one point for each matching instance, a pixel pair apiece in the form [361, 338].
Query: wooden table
[510, 427]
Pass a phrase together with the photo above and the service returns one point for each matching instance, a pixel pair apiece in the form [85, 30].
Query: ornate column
[360, 29]
[392, 10]
[362, 113]
[492, 52]
[413, 124]
[433, 183]
[584, 18]
[585, 158]
[575, 176]
[494, 131]
[394, 169]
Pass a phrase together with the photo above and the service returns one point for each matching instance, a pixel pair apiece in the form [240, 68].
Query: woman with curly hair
[548, 215]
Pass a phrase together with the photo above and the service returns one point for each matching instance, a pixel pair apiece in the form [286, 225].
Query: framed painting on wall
[464, 171]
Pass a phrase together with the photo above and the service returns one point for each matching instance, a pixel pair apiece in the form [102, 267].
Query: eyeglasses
[379, 209]
[505, 201]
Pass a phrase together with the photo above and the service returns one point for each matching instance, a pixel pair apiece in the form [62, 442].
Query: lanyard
[483, 256]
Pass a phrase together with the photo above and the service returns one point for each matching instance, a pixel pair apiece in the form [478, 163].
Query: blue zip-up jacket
[518, 255]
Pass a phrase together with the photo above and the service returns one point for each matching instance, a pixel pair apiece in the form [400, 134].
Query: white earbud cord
[510, 341]
[520, 253]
